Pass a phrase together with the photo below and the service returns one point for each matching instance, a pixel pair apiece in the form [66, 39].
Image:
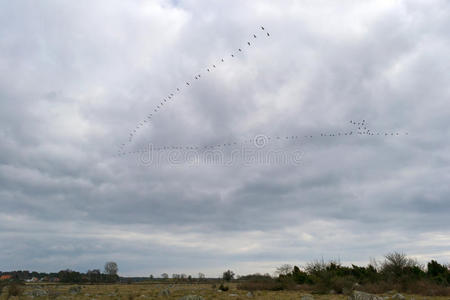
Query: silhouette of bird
[232, 55]
[262, 27]
[222, 60]
[207, 70]
[240, 49]
[178, 89]
[196, 77]
[248, 43]
[254, 36]
[187, 83]
[214, 66]
[268, 34]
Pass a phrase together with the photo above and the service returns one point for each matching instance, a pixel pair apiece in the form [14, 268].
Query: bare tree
[284, 270]
[164, 276]
[396, 262]
[201, 276]
[111, 268]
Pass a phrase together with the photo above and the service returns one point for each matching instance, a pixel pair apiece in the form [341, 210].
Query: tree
[228, 275]
[94, 275]
[436, 269]
[284, 270]
[164, 276]
[111, 268]
[201, 276]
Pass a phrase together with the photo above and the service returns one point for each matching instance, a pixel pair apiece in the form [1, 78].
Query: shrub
[270, 285]
[223, 288]
[15, 289]
[228, 275]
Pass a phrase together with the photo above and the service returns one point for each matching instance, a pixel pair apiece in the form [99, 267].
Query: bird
[262, 27]
[248, 43]
[254, 36]
[207, 70]
[232, 55]
[214, 66]
[222, 60]
[187, 83]
[268, 34]
[178, 89]
[195, 77]
[171, 94]
[199, 75]
[240, 49]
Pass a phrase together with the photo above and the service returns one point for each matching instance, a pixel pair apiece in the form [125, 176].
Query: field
[155, 291]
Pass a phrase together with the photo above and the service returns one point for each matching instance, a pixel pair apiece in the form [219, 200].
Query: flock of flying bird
[360, 127]
[170, 96]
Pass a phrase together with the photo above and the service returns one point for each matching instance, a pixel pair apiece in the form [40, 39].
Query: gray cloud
[75, 78]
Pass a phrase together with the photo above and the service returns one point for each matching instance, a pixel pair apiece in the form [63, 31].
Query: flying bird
[240, 49]
[268, 34]
[254, 36]
[248, 43]
[262, 27]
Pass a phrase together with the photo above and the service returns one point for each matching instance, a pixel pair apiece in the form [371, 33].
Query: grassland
[153, 291]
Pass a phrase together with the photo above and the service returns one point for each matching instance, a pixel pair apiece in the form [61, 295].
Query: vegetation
[396, 272]
[228, 275]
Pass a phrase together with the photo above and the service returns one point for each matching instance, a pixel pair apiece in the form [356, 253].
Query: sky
[76, 77]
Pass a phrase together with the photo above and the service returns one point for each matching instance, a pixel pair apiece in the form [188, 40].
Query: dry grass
[144, 291]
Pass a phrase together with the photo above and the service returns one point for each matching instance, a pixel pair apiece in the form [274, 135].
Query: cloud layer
[76, 78]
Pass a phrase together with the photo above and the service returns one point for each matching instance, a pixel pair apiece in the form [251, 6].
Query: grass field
[153, 291]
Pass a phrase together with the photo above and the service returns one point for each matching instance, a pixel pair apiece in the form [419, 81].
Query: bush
[228, 275]
[223, 288]
[271, 285]
[397, 265]
[15, 289]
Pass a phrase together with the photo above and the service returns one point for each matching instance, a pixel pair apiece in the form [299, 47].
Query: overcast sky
[76, 77]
